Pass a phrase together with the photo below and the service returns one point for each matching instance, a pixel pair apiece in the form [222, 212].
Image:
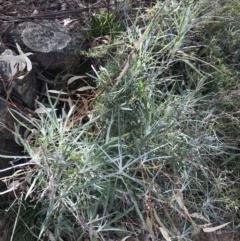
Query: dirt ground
[219, 235]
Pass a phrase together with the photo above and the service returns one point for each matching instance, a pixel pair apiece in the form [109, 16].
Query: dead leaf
[14, 185]
[75, 78]
[160, 222]
[124, 239]
[200, 216]
[149, 224]
[209, 230]
[205, 225]
[43, 110]
[70, 103]
[165, 234]
[57, 92]
[86, 88]
[196, 230]
[179, 199]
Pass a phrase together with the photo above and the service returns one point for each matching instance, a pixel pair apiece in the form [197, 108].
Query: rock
[219, 235]
[8, 145]
[23, 92]
[52, 44]
[26, 90]
[4, 66]
[45, 37]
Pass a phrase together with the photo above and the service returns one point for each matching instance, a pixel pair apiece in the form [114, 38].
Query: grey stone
[4, 66]
[52, 44]
[23, 91]
[45, 37]
[8, 146]
[26, 90]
